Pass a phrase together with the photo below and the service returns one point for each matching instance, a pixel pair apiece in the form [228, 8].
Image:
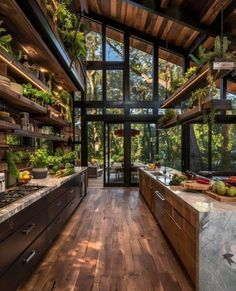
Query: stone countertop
[197, 200]
[50, 183]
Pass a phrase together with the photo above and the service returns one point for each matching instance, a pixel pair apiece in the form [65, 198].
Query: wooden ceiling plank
[186, 18]
[113, 8]
[165, 3]
[212, 10]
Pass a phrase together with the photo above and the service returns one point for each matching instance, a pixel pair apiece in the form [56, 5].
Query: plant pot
[40, 173]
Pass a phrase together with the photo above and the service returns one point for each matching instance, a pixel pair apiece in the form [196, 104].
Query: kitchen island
[29, 225]
[200, 229]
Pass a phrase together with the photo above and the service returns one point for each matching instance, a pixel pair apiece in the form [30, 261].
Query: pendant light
[222, 63]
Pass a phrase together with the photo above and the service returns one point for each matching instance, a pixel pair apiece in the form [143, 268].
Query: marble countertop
[50, 183]
[195, 199]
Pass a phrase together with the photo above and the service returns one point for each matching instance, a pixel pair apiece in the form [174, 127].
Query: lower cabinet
[178, 221]
[23, 248]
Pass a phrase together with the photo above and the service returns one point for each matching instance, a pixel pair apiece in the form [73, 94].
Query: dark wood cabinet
[178, 221]
[27, 235]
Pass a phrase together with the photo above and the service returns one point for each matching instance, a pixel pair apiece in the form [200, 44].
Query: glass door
[143, 147]
[114, 154]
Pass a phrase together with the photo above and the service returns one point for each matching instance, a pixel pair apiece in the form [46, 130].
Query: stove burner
[17, 193]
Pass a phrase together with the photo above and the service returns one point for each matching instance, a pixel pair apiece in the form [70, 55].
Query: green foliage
[169, 114]
[68, 116]
[55, 162]
[65, 96]
[179, 79]
[13, 171]
[70, 157]
[69, 28]
[21, 156]
[40, 158]
[43, 96]
[5, 39]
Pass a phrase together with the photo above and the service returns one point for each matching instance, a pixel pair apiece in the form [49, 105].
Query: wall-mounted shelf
[19, 101]
[50, 119]
[197, 112]
[34, 134]
[21, 70]
[7, 126]
[30, 42]
[198, 80]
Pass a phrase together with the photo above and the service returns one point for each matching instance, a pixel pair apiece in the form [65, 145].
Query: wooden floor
[112, 242]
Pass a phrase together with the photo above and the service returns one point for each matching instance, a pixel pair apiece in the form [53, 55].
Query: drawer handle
[29, 229]
[160, 195]
[30, 257]
[58, 203]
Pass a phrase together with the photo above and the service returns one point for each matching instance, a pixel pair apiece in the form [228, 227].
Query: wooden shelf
[198, 80]
[7, 126]
[19, 101]
[30, 41]
[21, 70]
[198, 112]
[27, 133]
[51, 120]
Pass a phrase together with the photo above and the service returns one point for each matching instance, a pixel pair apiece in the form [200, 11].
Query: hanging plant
[169, 114]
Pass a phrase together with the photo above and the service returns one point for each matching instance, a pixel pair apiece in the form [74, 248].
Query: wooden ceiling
[185, 24]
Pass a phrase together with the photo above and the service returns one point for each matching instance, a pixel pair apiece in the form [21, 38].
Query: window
[115, 111]
[114, 45]
[224, 147]
[93, 37]
[141, 71]
[141, 111]
[94, 85]
[94, 111]
[169, 76]
[114, 85]
[77, 123]
[231, 95]
[199, 147]
[77, 96]
[170, 147]
[95, 142]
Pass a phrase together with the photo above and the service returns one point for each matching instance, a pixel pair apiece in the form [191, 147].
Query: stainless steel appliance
[2, 182]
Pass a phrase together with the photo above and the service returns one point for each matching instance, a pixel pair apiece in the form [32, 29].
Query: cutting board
[196, 186]
[220, 198]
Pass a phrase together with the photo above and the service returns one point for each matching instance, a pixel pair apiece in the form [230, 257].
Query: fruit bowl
[24, 177]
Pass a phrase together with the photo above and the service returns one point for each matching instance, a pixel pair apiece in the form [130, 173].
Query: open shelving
[198, 80]
[34, 134]
[19, 101]
[36, 49]
[6, 126]
[198, 112]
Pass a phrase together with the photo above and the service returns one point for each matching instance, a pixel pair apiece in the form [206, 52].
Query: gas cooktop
[16, 193]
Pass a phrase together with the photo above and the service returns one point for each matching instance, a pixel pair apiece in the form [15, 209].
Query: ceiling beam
[198, 41]
[137, 33]
[176, 14]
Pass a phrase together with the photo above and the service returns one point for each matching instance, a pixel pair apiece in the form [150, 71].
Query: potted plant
[39, 161]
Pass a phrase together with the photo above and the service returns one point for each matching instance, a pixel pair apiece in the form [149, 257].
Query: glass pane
[141, 111]
[77, 123]
[141, 62]
[114, 85]
[170, 147]
[13, 139]
[94, 111]
[114, 170]
[95, 144]
[143, 147]
[231, 95]
[114, 45]
[78, 150]
[224, 147]
[115, 111]
[170, 78]
[94, 85]
[77, 96]
[93, 37]
[199, 147]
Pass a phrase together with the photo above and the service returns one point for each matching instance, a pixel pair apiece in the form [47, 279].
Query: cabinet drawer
[24, 265]
[15, 244]
[185, 211]
[183, 246]
[56, 206]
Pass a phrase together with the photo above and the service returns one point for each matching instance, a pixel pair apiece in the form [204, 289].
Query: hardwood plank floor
[112, 242]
